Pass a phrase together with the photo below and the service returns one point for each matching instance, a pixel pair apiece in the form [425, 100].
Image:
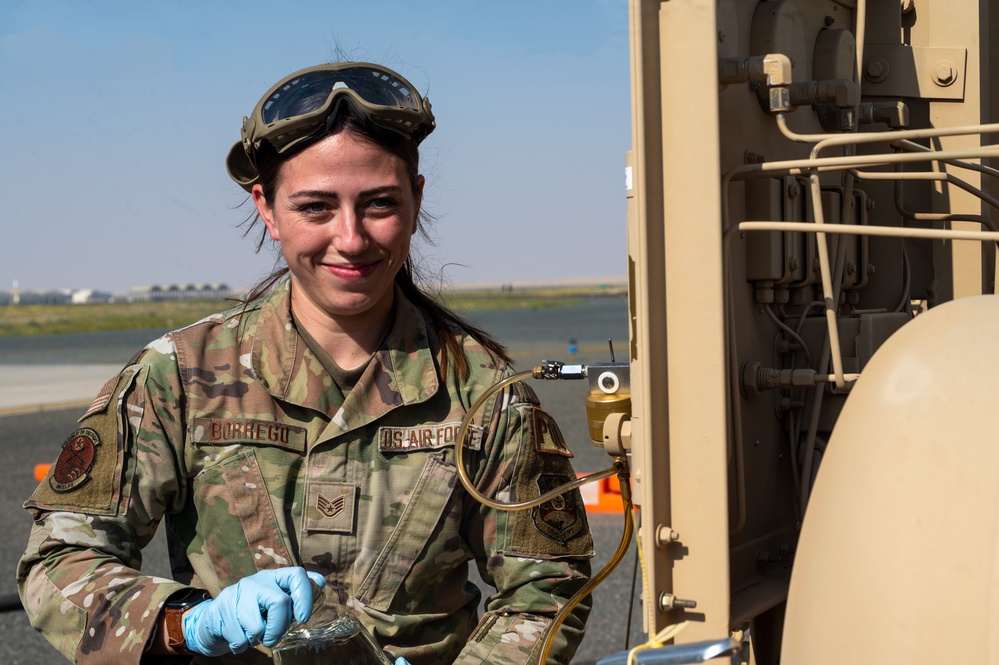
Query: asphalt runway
[35, 436]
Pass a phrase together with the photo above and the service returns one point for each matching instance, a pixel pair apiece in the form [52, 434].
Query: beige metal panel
[647, 305]
[989, 36]
[944, 30]
[695, 366]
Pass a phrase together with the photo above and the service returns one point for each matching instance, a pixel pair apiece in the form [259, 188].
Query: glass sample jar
[331, 635]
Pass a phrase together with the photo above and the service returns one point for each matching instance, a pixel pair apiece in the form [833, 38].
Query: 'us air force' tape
[426, 437]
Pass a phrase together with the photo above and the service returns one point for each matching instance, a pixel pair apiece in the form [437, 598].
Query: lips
[352, 272]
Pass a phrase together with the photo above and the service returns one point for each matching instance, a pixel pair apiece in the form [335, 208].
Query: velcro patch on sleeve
[557, 527]
[547, 435]
[87, 474]
[563, 518]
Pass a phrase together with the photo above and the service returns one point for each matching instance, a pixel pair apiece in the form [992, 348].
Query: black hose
[10, 602]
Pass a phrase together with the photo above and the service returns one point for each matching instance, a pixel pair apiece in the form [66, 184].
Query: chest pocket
[418, 522]
[236, 519]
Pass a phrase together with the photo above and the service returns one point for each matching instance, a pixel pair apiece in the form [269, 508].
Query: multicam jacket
[232, 431]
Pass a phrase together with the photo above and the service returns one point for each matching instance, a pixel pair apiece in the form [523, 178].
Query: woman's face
[344, 212]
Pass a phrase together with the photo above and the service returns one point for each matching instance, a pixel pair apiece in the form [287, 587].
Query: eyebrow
[313, 193]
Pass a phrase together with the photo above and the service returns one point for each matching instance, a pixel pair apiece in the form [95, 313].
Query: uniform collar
[402, 371]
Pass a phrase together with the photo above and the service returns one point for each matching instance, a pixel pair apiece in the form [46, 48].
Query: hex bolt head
[877, 70]
[943, 73]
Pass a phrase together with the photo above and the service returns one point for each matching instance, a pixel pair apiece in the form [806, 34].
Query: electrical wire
[789, 331]
[631, 596]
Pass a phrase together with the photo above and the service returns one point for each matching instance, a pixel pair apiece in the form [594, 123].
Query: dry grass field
[25, 320]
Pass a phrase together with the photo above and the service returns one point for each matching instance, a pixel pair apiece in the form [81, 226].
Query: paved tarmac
[39, 406]
[26, 388]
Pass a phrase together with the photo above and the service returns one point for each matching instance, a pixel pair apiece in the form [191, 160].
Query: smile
[351, 272]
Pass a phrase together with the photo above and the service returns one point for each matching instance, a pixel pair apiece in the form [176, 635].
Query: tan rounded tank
[898, 560]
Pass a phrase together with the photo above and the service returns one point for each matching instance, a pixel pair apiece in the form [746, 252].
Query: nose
[349, 235]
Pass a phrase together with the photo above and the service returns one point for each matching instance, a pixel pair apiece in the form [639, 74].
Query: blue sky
[119, 114]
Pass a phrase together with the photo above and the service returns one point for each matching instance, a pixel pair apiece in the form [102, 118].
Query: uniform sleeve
[536, 559]
[115, 477]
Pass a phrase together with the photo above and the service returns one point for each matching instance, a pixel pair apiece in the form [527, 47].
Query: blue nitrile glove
[257, 609]
[401, 661]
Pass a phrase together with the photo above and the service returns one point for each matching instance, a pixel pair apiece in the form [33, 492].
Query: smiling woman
[344, 214]
[305, 437]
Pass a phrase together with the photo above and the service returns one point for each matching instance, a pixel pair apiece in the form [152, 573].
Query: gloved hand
[401, 661]
[257, 609]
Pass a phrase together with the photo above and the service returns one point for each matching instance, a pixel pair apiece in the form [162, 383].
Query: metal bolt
[792, 263]
[665, 535]
[943, 73]
[721, 35]
[877, 70]
[765, 557]
[668, 601]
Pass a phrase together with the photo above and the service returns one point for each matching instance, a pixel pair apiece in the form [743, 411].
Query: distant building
[87, 296]
[60, 297]
[181, 292]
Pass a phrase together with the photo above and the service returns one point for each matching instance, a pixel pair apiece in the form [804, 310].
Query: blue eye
[383, 202]
[312, 208]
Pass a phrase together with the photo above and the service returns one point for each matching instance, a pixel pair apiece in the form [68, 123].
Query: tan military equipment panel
[756, 125]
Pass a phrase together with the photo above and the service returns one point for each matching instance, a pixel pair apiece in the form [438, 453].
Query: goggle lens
[312, 90]
[299, 109]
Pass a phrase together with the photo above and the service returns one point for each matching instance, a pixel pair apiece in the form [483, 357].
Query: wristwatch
[173, 615]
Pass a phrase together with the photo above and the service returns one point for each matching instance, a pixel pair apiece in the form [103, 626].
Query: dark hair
[442, 319]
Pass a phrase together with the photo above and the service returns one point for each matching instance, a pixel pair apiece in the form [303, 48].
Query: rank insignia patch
[77, 458]
[331, 507]
[560, 519]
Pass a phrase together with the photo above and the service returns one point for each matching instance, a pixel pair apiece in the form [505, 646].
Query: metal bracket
[914, 71]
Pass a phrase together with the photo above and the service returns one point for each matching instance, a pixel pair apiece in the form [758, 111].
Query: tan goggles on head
[299, 108]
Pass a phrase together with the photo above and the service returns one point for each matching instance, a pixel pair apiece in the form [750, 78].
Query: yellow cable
[670, 631]
[663, 636]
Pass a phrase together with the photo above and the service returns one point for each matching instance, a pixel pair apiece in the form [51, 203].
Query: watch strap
[173, 615]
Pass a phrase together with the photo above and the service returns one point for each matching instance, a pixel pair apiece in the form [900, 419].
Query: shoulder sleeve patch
[77, 458]
[557, 527]
[86, 477]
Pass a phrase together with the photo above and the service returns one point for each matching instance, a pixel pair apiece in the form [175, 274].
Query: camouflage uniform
[233, 431]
